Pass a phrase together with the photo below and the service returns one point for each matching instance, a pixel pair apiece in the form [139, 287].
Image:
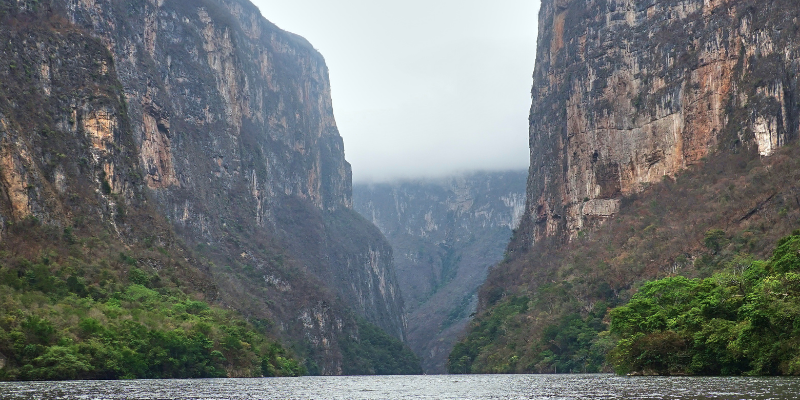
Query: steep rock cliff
[663, 140]
[445, 233]
[41, 176]
[226, 128]
[222, 101]
[626, 92]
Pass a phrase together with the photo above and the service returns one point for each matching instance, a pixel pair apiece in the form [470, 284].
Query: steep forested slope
[544, 310]
[740, 321]
[193, 142]
[663, 142]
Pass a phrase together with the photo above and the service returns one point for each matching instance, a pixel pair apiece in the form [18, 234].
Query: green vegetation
[374, 352]
[75, 311]
[573, 343]
[745, 320]
[713, 218]
[487, 330]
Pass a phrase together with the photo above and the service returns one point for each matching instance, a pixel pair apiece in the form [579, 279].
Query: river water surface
[416, 387]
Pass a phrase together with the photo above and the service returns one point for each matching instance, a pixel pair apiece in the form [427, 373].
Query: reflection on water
[416, 387]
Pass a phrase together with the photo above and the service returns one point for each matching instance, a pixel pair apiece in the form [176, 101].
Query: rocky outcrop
[445, 233]
[223, 123]
[626, 92]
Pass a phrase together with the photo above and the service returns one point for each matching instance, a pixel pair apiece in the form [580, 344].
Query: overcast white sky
[423, 88]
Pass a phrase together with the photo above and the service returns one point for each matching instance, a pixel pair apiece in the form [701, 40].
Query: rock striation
[223, 124]
[446, 233]
[626, 92]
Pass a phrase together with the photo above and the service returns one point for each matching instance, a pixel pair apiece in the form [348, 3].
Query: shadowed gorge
[445, 233]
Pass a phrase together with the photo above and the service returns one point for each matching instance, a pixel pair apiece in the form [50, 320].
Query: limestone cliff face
[224, 124]
[219, 97]
[77, 162]
[626, 92]
[445, 233]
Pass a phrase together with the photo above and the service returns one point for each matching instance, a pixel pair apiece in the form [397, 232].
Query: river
[476, 387]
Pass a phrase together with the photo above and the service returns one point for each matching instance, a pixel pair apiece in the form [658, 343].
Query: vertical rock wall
[233, 125]
[65, 145]
[626, 92]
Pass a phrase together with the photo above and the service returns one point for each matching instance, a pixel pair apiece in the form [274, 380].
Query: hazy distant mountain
[445, 234]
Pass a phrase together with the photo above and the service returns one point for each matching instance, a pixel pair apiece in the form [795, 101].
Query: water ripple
[444, 387]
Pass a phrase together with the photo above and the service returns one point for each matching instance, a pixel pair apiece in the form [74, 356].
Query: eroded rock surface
[626, 92]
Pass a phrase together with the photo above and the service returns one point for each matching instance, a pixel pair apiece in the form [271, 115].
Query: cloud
[423, 88]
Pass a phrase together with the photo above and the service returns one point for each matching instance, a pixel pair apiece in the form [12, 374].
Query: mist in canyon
[423, 89]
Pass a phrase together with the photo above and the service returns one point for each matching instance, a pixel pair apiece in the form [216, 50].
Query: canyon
[446, 233]
[188, 151]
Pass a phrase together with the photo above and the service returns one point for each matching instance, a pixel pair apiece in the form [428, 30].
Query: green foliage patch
[741, 321]
[374, 352]
[67, 314]
[494, 324]
[713, 218]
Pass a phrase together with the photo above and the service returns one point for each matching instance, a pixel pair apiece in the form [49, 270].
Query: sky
[423, 88]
